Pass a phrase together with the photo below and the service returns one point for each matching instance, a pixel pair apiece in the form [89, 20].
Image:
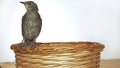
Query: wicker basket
[59, 55]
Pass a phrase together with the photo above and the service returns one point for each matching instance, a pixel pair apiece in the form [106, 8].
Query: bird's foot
[21, 46]
[32, 45]
[25, 44]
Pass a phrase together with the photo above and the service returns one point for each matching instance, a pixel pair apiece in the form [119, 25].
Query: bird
[31, 24]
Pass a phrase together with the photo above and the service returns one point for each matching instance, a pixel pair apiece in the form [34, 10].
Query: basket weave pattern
[59, 55]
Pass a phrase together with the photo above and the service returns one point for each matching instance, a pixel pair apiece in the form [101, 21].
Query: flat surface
[104, 64]
[110, 63]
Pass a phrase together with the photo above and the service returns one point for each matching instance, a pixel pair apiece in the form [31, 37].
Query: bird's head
[30, 6]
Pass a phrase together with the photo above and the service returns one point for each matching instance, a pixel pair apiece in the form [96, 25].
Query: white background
[64, 20]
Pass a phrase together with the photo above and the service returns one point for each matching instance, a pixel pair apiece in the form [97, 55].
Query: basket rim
[45, 47]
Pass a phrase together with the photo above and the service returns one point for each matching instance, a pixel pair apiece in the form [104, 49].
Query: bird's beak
[22, 2]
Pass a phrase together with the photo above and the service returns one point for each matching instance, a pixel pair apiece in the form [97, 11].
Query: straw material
[59, 55]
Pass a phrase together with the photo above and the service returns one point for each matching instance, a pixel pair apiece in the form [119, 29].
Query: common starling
[31, 24]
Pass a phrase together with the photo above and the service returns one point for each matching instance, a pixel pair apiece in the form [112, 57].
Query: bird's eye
[29, 4]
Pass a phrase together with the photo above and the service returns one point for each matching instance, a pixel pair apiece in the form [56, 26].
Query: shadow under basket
[59, 55]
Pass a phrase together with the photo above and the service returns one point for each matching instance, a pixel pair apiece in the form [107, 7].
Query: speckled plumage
[31, 24]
